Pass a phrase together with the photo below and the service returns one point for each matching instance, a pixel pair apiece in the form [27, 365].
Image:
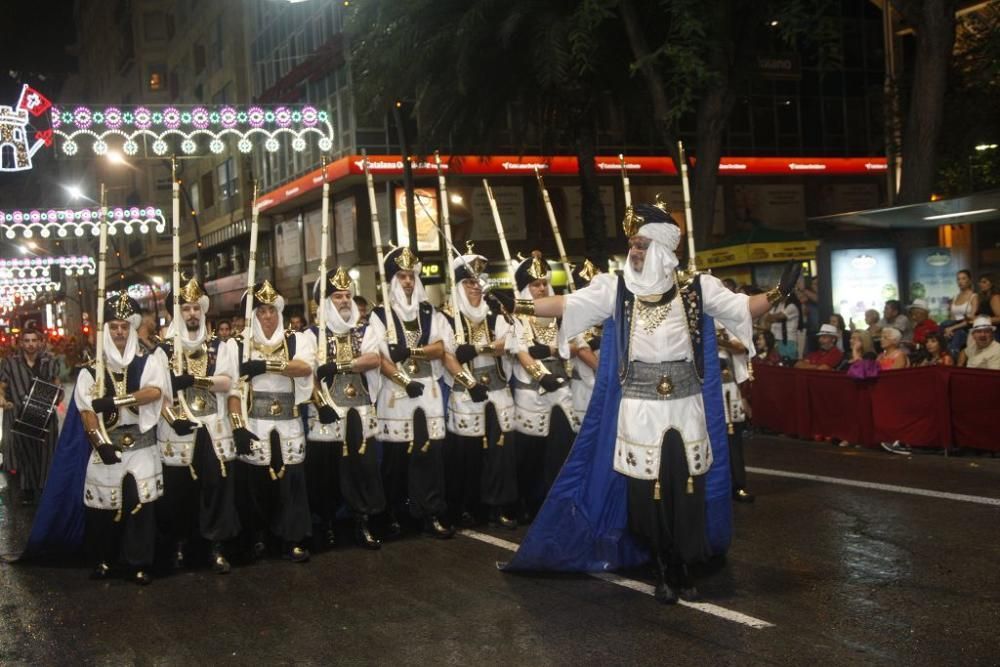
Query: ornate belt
[488, 376]
[201, 401]
[348, 390]
[274, 405]
[417, 368]
[662, 381]
[128, 438]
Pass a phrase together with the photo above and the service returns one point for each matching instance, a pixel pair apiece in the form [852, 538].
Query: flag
[33, 101]
[46, 136]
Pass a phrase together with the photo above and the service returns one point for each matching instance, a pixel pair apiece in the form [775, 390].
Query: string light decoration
[27, 286]
[140, 291]
[40, 266]
[165, 130]
[62, 222]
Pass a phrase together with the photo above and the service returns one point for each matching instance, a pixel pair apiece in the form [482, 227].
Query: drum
[37, 410]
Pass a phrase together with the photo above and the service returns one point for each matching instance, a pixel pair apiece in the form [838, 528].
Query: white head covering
[408, 310]
[657, 275]
[119, 361]
[335, 321]
[475, 314]
[187, 341]
[279, 331]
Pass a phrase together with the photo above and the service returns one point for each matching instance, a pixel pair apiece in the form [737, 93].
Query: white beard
[335, 322]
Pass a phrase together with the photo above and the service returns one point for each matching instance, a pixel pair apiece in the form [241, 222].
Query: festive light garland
[186, 125]
[39, 266]
[24, 286]
[79, 221]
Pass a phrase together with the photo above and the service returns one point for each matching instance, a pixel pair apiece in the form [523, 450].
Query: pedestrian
[982, 351]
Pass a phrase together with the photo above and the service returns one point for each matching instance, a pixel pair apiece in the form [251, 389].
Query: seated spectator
[860, 348]
[893, 317]
[922, 322]
[893, 356]
[962, 311]
[828, 356]
[766, 354]
[983, 351]
[936, 351]
[872, 319]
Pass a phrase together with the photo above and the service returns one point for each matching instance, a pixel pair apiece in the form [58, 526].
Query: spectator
[766, 355]
[893, 317]
[872, 319]
[983, 351]
[962, 312]
[828, 356]
[988, 301]
[147, 332]
[224, 329]
[296, 323]
[844, 340]
[893, 357]
[239, 324]
[808, 296]
[362, 304]
[783, 320]
[922, 322]
[936, 351]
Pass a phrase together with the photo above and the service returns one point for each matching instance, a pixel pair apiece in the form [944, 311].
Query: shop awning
[977, 207]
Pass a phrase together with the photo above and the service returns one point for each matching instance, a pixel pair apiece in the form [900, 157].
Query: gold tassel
[656, 490]
[690, 486]
[426, 447]
[194, 475]
[118, 515]
[281, 473]
[345, 452]
[729, 428]
[222, 465]
[500, 441]
[486, 443]
[135, 510]
[409, 450]
[363, 447]
[270, 471]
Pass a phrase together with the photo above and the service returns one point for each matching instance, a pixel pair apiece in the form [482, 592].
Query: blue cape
[583, 524]
[58, 525]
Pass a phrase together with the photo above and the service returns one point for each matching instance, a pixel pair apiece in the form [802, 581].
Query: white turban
[657, 275]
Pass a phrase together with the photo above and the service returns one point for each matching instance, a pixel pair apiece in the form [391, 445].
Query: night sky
[34, 37]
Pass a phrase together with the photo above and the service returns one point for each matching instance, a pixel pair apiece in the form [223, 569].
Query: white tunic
[395, 408]
[293, 444]
[320, 432]
[731, 396]
[178, 450]
[103, 483]
[583, 385]
[533, 409]
[465, 416]
[643, 423]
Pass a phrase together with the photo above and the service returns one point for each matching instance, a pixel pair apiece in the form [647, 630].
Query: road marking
[638, 586]
[913, 491]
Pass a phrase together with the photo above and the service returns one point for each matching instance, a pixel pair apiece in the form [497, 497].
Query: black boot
[498, 518]
[363, 535]
[177, 560]
[438, 529]
[663, 593]
[685, 583]
[220, 564]
[742, 496]
[330, 535]
[295, 553]
[101, 572]
[141, 577]
[393, 530]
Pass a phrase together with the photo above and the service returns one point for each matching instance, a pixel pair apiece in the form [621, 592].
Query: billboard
[862, 278]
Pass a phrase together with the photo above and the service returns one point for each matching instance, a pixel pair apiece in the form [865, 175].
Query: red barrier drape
[922, 407]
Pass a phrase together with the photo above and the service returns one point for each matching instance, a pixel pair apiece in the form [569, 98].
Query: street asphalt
[860, 557]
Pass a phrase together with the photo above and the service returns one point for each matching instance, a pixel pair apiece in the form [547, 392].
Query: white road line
[913, 491]
[638, 586]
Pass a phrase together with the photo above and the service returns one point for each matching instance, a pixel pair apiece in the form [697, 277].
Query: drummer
[28, 456]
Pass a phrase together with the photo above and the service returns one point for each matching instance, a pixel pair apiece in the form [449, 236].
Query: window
[154, 25]
[199, 58]
[217, 43]
[227, 179]
[225, 95]
[207, 191]
[157, 77]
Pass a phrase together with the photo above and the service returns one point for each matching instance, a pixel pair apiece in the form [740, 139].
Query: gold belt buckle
[484, 379]
[127, 441]
[665, 387]
[275, 408]
[412, 366]
[198, 403]
[350, 391]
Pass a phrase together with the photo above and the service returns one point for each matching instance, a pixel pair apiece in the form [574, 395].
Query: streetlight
[114, 157]
[75, 191]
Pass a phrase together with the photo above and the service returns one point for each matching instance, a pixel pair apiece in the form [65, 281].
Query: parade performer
[410, 406]
[271, 480]
[659, 376]
[124, 474]
[585, 349]
[30, 457]
[199, 483]
[735, 371]
[481, 468]
[342, 417]
[543, 416]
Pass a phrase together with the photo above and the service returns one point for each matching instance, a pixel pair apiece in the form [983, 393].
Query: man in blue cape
[651, 481]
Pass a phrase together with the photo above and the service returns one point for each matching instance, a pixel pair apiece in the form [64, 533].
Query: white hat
[982, 322]
[919, 303]
[828, 330]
